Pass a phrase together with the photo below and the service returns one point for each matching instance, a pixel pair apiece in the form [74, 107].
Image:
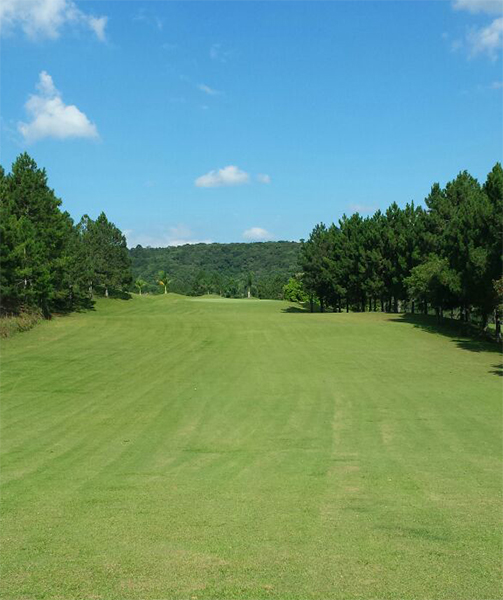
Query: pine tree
[34, 238]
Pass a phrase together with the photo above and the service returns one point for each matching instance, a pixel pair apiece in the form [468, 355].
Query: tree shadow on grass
[85, 305]
[464, 336]
[497, 370]
[295, 309]
[119, 295]
[304, 307]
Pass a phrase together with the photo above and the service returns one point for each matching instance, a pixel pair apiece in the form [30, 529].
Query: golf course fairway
[171, 447]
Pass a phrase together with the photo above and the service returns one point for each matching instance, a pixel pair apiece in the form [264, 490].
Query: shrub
[25, 320]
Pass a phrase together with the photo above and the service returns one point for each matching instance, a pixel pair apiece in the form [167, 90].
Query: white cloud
[51, 117]
[478, 6]
[180, 235]
[98, 24]
[228, 176]
[263, 178]
[207, 90]
[363, 209]
[482, 40]
[45, 18]
[497, 85]
[487, 40]
[257, 234]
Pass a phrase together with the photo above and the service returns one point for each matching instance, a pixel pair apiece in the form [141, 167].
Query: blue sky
[238, 121]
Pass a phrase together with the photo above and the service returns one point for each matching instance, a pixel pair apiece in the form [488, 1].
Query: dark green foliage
[448, 256]
[36, 237]
[229, 270]
[107, 257]
[47, 263]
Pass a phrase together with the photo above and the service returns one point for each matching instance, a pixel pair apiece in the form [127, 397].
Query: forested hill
[226, 269]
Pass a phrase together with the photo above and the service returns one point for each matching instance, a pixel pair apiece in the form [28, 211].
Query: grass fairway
[167, 447]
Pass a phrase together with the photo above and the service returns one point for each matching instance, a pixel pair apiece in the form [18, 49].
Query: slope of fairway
[167, 447]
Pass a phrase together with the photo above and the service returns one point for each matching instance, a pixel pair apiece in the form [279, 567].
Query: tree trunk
[106, 292]
[311, 304]
[322, 306]
[165, 289]
[413, 306]
[425, 307]
[347, 305]
[498, 325]
[249, 293]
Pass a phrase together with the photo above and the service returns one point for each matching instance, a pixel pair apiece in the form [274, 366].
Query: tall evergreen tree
[35, 234]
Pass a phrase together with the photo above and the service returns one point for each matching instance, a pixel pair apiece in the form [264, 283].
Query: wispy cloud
[219, 53]
[226, 177]
[208, 90]
[98, 24]
[257, 234]
[51, 117]
[479, 6]
[179, 235]
[486, 40]
[143, 16]
[263, 178]
[46, 18]
[215, 51]
[363, 209]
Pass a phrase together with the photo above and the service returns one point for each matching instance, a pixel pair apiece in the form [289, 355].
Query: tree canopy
[47, 261]
[231, 270]
[447, 255]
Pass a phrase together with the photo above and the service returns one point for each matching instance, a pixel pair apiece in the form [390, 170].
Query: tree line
[444, 257]
[235, 270]
[47, 261]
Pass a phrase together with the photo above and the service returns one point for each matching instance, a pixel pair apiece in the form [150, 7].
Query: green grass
[166, 447]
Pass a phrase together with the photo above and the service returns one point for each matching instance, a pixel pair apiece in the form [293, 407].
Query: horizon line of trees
[47, 262]
[447, 256]
[245, 285]
[235, 270]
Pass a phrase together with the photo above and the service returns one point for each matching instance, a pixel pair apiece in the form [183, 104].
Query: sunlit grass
[165, 447]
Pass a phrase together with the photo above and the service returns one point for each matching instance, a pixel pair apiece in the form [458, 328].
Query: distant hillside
[219, 268]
